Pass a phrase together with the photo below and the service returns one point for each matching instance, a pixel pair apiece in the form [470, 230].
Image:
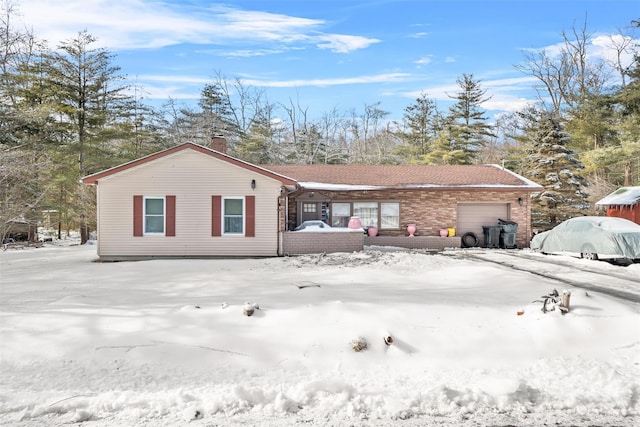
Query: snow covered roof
[622, 196]
[380, 177]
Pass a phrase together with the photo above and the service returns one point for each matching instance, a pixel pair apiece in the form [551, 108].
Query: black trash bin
[508, 234]
[491, 236]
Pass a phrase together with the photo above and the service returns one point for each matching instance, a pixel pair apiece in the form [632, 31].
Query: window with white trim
[233, 215]
[389, 215]
[384, 215]
[309, 207]
[154, 215]
[340, 214]
[367, 212]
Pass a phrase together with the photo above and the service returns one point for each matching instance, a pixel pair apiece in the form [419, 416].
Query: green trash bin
[508, 234]
[491, 236]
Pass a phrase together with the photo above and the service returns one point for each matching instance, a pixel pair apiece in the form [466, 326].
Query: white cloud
[172, 78]
[423, 61]
[177, 86]
[501, 92]
[600, 48]
[509, 83]
[376, 78]
[503, 102]
[343, 43]
[606, 46]
[129, 24]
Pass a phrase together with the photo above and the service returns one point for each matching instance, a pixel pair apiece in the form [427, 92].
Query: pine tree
[217, 113]
[468, 122]
[91, 103]
[420, 120]
[27, 129]
[556, 167]
[628, 97]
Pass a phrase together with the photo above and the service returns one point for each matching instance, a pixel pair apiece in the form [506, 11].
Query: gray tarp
[605, 236]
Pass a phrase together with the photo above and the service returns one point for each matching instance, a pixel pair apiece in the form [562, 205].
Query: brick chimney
[219, 143]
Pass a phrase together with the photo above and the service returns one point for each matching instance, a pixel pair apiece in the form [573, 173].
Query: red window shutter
[250, 219]
[137, 216]
[216, 216]
[170, 218]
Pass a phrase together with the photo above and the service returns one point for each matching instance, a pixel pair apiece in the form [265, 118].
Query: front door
[310, 211]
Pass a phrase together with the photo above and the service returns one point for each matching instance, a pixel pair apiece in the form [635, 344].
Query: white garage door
[472, 216]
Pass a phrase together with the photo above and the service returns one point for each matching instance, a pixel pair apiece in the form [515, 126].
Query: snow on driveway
[165, 342]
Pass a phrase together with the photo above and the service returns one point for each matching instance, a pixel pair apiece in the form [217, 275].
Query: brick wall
[424, 242]
[437, 209]
[309, 242]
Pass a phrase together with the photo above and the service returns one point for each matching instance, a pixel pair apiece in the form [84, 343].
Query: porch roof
[377, 177]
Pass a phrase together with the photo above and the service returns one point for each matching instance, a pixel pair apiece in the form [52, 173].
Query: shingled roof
[332, 177]
[356, 177]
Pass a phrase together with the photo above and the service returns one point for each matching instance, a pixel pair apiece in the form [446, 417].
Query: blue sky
[341, 54]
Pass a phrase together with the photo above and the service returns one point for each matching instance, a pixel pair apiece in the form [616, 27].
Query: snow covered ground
[165, 342]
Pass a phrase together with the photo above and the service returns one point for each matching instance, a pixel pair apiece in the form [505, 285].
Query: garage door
[472, 216]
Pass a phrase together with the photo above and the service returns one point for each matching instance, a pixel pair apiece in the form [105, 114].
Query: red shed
[623, 203]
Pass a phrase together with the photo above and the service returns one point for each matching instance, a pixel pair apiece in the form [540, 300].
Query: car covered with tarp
[591, 237]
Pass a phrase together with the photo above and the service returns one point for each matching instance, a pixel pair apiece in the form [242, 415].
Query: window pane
[367, 212]
[340, 214]
[154, 206]
[232, 224]
[154, 224]
[233, 216]
[390, 215]
[342, 209]
[309, 207]
[233, 207]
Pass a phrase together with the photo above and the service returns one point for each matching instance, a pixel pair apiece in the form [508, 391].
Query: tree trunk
[627, 173]
[84, 231]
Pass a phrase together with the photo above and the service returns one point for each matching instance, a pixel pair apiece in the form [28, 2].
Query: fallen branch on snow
[303, 285]
[553, 300]
[359, 344]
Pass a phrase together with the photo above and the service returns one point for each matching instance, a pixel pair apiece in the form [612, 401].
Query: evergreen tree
[420, 120]
[86, 87]
[468, 122]
[258, 145]
[445, 149]
[27, 129]
[90, 104]
[556, 167]
[628, 97]
[217, 112]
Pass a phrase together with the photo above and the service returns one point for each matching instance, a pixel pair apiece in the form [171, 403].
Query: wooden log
[565, 302]
[359, 344]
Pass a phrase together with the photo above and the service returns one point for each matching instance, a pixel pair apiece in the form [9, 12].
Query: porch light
[520, 201]
[253, 184]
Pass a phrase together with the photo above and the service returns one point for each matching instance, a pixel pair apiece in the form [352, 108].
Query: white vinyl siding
[192, 177]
